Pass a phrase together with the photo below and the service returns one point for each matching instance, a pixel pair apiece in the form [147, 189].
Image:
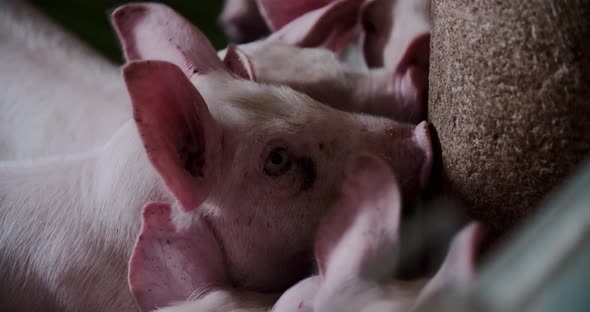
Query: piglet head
[261, 162]
[394, 35]
[356, 249]
[320, 74]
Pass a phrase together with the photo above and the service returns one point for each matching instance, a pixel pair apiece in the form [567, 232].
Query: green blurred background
[90, 20]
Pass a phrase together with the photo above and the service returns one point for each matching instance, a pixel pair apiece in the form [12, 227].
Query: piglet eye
[277, 162]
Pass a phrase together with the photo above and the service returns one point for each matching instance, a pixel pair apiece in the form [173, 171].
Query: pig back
[509, 89]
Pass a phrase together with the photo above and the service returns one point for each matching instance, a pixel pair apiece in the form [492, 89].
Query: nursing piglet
[42, 116]
[394, 35]
[259, 163]
[356, 249]
[314, 71]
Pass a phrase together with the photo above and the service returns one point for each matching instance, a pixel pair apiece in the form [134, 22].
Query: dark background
[90, 20]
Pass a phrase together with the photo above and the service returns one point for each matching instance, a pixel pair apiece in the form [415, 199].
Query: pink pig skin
[392, 30]
[50, 83]
[241, 21]
[394, 35]
[340, 85]
[259, 163]
[56, 83]
[356, 246]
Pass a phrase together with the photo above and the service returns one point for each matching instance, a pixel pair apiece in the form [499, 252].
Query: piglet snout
[412, 155]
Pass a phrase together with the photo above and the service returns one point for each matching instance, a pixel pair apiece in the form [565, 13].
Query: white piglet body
[51, 84]
[258, 163]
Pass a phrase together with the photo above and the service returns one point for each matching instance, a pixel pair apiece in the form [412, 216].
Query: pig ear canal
[458, 269]
[358, 238]
[239, 63]
[170, 265]
[180, 136]
[331, 26]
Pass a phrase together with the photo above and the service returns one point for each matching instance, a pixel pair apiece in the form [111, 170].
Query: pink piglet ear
[279, 13]
[331, 26]
[181, 138]
[170, 265]
[358, 238]
[154, 31]
[239, 63]
[458, 267]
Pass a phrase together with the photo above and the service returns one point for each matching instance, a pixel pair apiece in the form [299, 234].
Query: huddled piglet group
[213, 181]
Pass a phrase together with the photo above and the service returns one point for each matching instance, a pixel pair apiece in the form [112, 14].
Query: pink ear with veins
[239, 63]
[359, 236]
[181, 138]
[154, 31]
[458, 267]
[170, 265]
[331, 26]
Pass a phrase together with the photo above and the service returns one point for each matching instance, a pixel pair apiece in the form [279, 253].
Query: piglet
[357, 246]
[392, 32]
[43, 116]
[259, 163]
[356, 249]
[394, 35]
[319, 73]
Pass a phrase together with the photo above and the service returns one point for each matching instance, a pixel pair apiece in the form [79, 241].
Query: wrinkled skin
[356, 247]
[259, 163]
